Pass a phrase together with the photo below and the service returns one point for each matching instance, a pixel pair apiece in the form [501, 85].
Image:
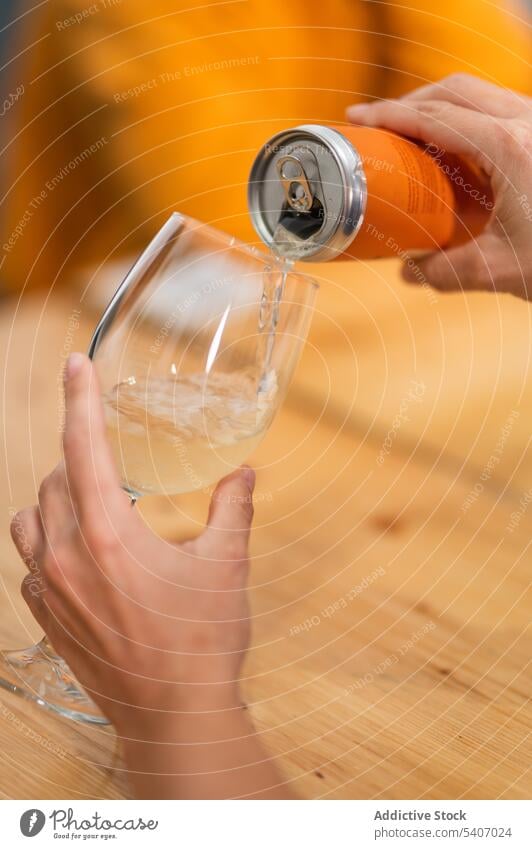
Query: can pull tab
[295, 182]
[302, 214]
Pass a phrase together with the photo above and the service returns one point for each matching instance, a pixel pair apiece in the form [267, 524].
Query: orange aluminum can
[319, 193]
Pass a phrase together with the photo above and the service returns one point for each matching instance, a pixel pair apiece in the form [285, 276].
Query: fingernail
[74, 363]
[249, 475]
[357, 111]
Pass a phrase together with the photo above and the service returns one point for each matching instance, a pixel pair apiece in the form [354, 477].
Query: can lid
[307, 193]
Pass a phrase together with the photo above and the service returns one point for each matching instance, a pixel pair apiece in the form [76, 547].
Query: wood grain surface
[391, 572]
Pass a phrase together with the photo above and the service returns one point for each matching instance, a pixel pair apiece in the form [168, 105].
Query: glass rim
[146, 255]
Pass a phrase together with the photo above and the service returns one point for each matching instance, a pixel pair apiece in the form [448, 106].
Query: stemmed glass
[194, 354]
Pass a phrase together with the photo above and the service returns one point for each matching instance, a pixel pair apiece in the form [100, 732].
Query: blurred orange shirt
[132, 110]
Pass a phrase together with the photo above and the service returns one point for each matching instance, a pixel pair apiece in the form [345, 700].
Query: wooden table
[391, 548]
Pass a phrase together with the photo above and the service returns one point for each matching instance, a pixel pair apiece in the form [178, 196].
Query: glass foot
[41, 676]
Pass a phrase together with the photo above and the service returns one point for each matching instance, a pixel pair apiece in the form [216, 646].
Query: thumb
[478, 265]
[231, 514]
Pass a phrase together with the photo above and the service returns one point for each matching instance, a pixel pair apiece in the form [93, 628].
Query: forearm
[204, 756]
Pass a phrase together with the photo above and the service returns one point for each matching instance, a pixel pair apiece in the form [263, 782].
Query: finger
[453, 128]
[90, 469]
[231, 514]
[472, 93]
[55, 504]
[483, 264]
[33, 593]
[53, 617]
[27, 534]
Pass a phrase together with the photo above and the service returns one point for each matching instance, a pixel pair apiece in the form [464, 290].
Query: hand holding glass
[194, 355]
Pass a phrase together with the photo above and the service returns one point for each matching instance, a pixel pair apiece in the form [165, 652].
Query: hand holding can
[320, 193]
[445, 171]
[492, 128]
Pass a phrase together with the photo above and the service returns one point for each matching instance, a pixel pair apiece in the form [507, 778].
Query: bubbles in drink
[173, 435]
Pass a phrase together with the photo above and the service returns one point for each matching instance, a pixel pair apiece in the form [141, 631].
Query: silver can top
[307, 193]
